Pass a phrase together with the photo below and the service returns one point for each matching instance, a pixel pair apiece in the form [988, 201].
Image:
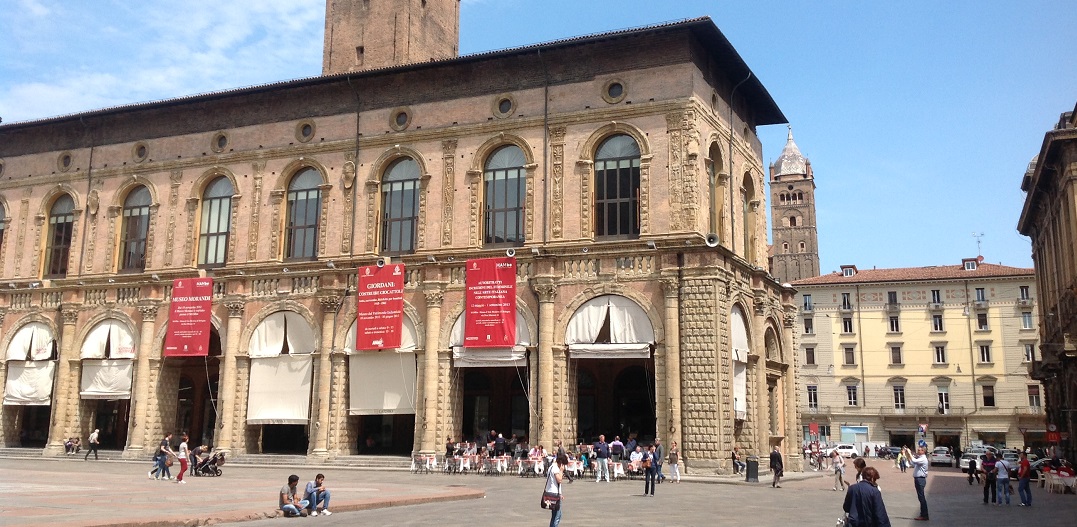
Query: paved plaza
[76, 493]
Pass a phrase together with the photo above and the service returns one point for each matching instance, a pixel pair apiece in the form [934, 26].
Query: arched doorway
[281, 379]
[611, 343]
[381, 386]
[31, 358]
[197, 412]
[108, 354]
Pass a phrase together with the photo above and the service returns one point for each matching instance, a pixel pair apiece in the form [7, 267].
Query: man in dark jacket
[864, 502]
[659, 455]
[776, 467]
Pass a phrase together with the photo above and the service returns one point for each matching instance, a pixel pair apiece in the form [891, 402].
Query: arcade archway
[31, 358]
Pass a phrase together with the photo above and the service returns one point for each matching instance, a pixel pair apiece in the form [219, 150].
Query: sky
[919, 117]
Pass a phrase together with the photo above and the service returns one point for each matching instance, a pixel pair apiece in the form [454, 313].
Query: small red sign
[380, 307]
[189, 318]
[813, 429]
[1054, 437]
[490, 317]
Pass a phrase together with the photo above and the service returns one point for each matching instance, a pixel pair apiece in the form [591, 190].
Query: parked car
[963, 463]
[844, 450]
[1011, 456]
[941, 456]
[891, 451]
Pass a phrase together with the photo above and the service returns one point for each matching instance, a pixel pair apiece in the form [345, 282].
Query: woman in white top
[553, 485]
[184, 455]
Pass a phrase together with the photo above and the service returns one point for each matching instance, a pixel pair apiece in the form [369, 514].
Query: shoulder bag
[550, 500]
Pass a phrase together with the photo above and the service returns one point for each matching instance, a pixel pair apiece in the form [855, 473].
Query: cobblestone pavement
[76, 493]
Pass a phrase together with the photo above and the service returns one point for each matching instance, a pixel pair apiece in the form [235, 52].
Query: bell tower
[794, 253]
[371, 34]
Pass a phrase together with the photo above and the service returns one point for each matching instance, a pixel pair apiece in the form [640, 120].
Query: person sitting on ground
[289, 498]
[69, 446]
[78, 445]
[317, 493]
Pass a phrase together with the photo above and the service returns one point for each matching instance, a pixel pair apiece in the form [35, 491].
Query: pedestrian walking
[161, 458]
[650, 470]
[184, 455]
[838, 464]
[1024, 474]
[864, 503]
[94, 441]
[990, 477]
[919, 478]
[973, 470]
[674, 462]
[659, 456]
[554, 478]
[776, 467]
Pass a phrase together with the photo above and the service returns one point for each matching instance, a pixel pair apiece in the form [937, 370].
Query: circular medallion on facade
[220, 142]
[614, 91]
[63, 163]
[400, 119]
[304, 131]
[504, 105]
[140, 152]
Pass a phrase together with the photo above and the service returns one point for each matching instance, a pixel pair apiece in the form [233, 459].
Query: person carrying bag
[551, 495]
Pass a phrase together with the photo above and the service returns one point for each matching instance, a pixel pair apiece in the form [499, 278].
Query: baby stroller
[211, 466]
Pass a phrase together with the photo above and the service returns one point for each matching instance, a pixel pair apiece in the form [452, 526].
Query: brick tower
[794, 253]
[371, 34]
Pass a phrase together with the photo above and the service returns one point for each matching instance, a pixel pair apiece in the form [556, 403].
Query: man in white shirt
[919, 478]
[1002, 468]
[94, 442]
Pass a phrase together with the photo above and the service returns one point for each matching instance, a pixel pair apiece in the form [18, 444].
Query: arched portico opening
[197, 392]
[31, 370]
[281, 379]
[611, 357]
[381, 386]
[108, 353]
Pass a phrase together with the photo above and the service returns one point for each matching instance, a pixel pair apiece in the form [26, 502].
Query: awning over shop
[740, 352]
[29, 383]
[106, 379]
[279, 391]
[515, 356]
[630, 334]
[991, 430]
[383, 382]
[33, 341]
[271, 334]
[111, 335]
[945, 431]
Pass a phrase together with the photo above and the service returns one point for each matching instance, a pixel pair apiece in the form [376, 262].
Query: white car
[941, 456]
[844, 450]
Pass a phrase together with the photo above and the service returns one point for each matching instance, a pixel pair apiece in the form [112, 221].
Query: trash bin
[751, 473]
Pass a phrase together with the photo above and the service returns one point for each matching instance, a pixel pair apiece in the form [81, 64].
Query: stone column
[330, 305]
[434, 298]
[546, 291]
[226, 396]
[139, 429]
[671, 288]
[60, 399]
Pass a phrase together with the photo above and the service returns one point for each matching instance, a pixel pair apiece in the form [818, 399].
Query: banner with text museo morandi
[380, 306]
[189, 318]
[490, 316]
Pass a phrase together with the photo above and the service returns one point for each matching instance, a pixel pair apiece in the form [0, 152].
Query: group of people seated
[72, 446]
[314, 494]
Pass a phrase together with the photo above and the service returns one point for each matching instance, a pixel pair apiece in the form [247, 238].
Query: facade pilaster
[434, 297]
[136, 442]
[69, 317]
[671, 289]
[330, 306]
[546, 292]
[227, 396]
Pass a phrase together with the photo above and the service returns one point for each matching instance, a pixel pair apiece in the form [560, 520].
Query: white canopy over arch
[115, 335]
[269, 337]
[490, 357]
[32, 341]
[29, 383]
[382, 382]
[741, 349]
[106, 379]
[631, 334]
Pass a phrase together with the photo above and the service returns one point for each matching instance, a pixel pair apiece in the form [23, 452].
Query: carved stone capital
[70, 316]
[2, 313]
[330, 304]
[434, 297]
[149, 312]
[754, 204]
[557, 134]
[670, 286]
[235, 309]
[448, 147]
[546, 291]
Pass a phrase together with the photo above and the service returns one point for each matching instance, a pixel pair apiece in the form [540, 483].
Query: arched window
[800, 197]
[617, 187]
[215, 224]
[505, 186]
[400, 206]
[136, 228]
[3, 222]
[304, 211]
[792, 221]
[714, 167]
[61, 222]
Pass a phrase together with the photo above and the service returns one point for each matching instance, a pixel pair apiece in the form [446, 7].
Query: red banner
[189, 318]
[380, 306]
[490, 315]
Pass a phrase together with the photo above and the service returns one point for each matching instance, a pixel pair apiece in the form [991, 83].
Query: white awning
[113, 333]
[739, 330]
[106, 379]
[381, 382]
[610, 351]
[408, 337]
[29, 383]
[515, 356]
[268, 338]
[279, 391]
[33, 341]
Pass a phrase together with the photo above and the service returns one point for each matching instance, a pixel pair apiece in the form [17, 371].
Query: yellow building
[883, 352]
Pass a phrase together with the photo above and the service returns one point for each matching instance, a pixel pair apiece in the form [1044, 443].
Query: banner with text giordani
[380, 306]
[189, 318]
[490, 315]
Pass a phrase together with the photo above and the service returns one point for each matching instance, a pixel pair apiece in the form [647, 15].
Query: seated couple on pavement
[315, 494]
